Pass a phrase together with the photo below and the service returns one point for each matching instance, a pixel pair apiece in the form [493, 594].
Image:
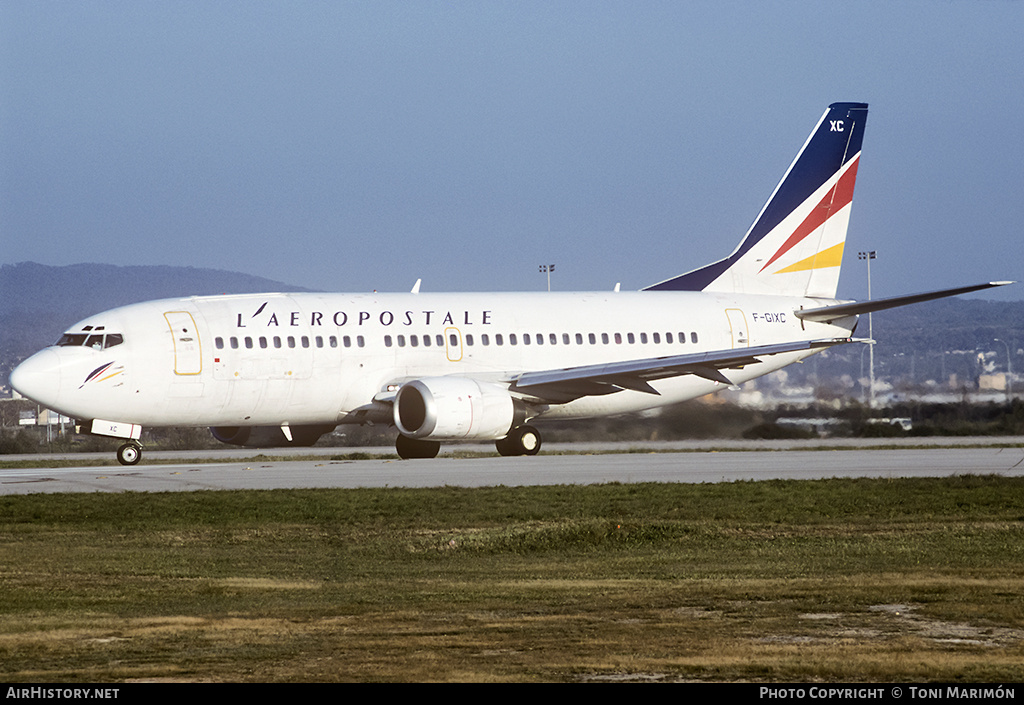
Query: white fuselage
[293, 359]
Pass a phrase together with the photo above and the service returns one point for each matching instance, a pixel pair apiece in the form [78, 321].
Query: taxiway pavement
[654, 464]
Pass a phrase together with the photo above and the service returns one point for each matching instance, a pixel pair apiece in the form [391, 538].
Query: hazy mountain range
[38, 302]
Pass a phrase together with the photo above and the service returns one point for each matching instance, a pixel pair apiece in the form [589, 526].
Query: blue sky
[355, 146]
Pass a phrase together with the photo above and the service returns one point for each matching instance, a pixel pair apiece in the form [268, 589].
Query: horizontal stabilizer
[827, 314]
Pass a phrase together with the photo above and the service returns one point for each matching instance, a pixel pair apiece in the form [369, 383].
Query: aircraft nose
[38, 377]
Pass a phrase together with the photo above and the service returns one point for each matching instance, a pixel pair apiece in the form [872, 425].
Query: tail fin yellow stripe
[832, 257]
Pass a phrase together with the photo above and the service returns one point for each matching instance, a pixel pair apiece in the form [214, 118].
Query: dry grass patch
[838, 580]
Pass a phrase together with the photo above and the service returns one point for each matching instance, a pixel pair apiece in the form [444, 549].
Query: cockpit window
[96, 341]
[72, 339]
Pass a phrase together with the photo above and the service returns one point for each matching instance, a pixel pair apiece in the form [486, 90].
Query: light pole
[547, 269]
[871, 332]
[1009, 370]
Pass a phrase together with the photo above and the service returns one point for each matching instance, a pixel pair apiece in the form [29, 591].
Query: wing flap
[566, 384]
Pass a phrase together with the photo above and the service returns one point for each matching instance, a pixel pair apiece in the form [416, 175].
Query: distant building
[45, 417]
[995, 381]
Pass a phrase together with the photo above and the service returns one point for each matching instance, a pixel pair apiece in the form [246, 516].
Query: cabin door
[453, 344]
[738, 328]
[188, 352]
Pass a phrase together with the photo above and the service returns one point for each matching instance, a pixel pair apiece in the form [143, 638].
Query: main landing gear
[130, 453]
[409, 448]
[522, 440]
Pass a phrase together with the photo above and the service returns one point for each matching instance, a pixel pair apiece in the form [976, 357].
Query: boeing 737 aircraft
[264, 369]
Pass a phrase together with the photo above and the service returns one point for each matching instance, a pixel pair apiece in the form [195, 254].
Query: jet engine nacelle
[269, 436]
[453, 408]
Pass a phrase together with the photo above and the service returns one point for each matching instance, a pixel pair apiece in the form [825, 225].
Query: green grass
[839, 580]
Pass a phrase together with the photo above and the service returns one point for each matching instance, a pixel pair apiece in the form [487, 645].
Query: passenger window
[499, 339]
[263, 342]
[485, 339]
[414, 340]
[387, 341]
[604, 338]
[512, 339]
[234, 343]
[579, 339]
[630, 338]
[426, 341]
[360, 341]
[592, 338]
[693, 337]
[454, 339]
[643, 338]
[469, 339]
[668, 337]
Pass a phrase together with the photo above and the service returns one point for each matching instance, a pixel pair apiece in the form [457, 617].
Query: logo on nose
[100, 373]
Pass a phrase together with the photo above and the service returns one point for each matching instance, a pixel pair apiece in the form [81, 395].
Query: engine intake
[453, 408]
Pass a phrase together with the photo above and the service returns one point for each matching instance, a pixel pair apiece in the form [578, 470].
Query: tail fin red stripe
[838, 196]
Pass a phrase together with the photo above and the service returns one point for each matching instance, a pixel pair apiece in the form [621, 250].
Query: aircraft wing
[566, 384]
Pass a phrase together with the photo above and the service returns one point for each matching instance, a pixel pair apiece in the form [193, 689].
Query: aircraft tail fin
[795, 246]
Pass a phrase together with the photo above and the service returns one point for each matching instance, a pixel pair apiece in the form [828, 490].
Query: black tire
[505, 447]
[129, 454]
[522, 440]
[409, 448]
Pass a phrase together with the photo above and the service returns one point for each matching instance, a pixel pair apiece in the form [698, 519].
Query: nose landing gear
[130, 453]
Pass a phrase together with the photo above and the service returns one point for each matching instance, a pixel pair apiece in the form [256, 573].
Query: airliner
[284, 369]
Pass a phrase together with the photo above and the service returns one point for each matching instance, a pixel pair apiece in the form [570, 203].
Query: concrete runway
[657, 463]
